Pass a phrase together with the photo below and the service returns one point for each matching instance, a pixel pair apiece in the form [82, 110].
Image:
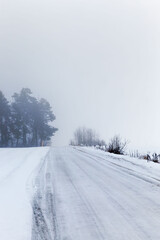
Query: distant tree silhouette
[87, 137]
[26, 122]
[5, 115]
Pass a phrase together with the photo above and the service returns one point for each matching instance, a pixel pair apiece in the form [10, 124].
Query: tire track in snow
[127, 170]
[120, 208]
[90, 215]
[89, 208]
[42, 205]
[72, 171]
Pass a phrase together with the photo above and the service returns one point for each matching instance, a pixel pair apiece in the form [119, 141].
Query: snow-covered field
[17, 167]
[77, 194]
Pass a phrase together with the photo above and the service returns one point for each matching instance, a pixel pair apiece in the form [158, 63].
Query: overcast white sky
[97, 62]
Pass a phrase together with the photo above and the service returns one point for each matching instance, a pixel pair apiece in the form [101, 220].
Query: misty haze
[79, 120]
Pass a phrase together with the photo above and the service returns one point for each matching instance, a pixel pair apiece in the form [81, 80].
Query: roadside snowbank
[16, 167]
[141, 166]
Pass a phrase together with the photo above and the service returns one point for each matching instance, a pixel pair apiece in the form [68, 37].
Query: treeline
[25, 122]
[88, 137]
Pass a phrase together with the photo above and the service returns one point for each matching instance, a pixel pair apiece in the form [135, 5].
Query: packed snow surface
[77, 194]
[103, 196]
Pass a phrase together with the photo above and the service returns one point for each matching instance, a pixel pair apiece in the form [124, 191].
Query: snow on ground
[16, 170]
[77, 193]
[140, 166]
[100, 196]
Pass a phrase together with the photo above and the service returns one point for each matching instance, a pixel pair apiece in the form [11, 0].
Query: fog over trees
[87, 137]
[25, 121]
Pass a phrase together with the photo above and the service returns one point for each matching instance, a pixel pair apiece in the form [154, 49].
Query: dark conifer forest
[25, 121]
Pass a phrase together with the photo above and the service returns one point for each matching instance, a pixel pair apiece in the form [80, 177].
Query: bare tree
[116, 145]
[85, 136]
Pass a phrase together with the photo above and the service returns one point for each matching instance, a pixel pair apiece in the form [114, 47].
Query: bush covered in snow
[117, 145]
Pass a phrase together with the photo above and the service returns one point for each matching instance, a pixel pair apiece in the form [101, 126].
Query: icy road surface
[85, 194]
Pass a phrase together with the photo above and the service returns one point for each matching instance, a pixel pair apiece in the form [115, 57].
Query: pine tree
[4, 121]
[26, 121]
[22, 115]
[46, 116]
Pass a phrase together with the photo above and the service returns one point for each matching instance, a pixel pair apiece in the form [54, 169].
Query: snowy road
[90, 195]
